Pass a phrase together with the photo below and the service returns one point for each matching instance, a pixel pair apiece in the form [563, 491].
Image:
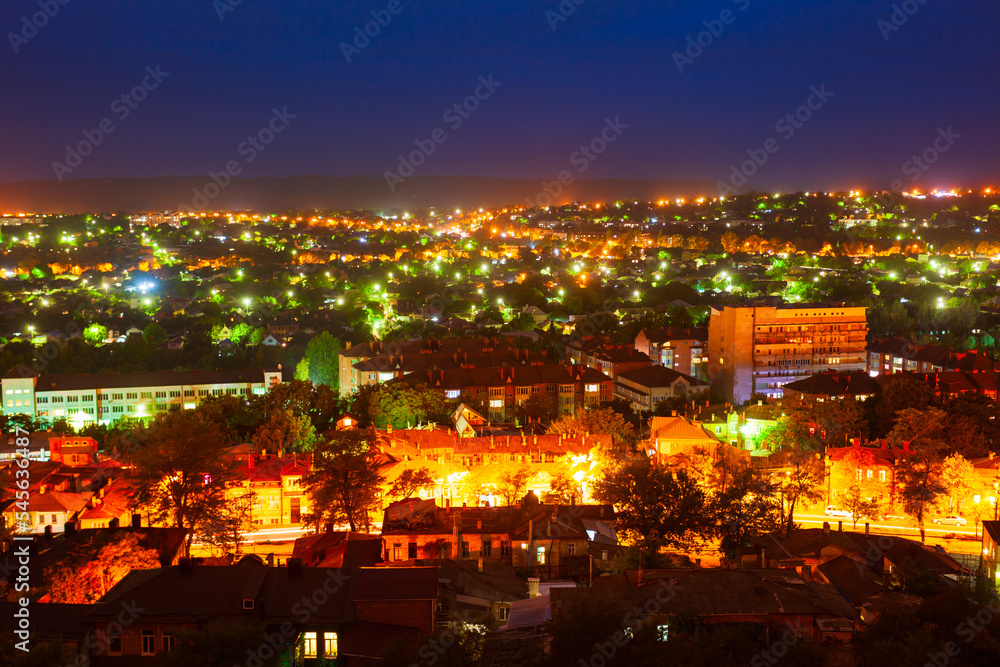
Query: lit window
[309, 644]
[591, 387]
[496, 402]
[329, 644]
[662, 632]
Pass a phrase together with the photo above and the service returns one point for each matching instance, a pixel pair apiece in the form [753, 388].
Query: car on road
[950, 520]
[831, 510]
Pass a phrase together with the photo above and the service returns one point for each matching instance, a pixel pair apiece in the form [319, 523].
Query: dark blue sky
[607, 59]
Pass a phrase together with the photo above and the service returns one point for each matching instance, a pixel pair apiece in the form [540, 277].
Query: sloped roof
[678, 428]
[659, 376]
[850, 383]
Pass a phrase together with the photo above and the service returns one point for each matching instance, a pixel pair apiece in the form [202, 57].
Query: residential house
[647, 386]
[547, 541]
[365, 612]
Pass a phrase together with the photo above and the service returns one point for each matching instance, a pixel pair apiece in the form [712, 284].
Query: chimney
[480, 564]
[992, 455]
[185, 564]
[137, 521]
[270, 560]
[533, 584]
[113, 524]
[329, 528]
[826, 527]
[48, 532]
[70, 527]
[866, 527]
[840, 526]
[295, 566]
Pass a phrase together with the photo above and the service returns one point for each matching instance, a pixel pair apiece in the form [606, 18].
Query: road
[886, 526]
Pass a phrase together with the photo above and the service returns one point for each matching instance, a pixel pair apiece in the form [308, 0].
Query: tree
[345, 480]
[604, 421]
[919, 483]
[322, 359]
[318, 401]
[95, 334]
[153, 334]
[223, 531]
[512, 486]
[411, 481]
[960, 481]
[285, 431]
[404, 406]
[91, 570]
[536, 408]
[803, 479]
[181, 474]
[859, 504]
[749, 506]
[655, 507]
[563, 490]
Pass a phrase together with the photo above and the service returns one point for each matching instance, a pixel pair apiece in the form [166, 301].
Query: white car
[950, 520]
[831, 510]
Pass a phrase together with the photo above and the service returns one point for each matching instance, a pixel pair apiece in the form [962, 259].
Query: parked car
[831, 510]
[950, 520]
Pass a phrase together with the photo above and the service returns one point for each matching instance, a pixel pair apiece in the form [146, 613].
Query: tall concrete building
[761, 349]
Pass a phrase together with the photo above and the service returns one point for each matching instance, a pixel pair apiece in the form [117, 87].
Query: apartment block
[106, 398]
[567, 387]
[761, 349]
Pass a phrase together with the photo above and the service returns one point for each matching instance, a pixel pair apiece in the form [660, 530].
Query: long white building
[106, 398]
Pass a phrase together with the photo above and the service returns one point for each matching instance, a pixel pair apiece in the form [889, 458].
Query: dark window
[411, 550]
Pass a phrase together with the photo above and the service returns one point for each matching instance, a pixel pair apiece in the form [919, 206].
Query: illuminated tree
[92, 569]
[512, 486]
[345, 481]
[656, 507]
[410, 482]
[181, 472]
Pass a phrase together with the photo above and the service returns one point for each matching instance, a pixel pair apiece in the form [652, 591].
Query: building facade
[106, 398]
[758, 350]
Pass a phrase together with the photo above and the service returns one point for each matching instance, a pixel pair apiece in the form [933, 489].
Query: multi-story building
[680, 349]
[106, 398]
[899, 355]
[274, 484]
[613, 359]
[376, 361]
[758, 350]
[567, 387]
[467, 471]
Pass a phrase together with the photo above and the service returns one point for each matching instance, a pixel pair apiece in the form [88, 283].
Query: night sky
[605, 60]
